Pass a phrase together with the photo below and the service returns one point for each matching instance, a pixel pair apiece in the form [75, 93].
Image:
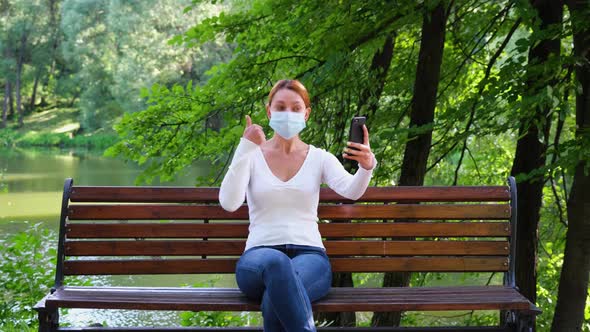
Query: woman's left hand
[363, 155]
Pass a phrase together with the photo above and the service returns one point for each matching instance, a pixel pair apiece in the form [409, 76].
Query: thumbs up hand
[254, 132]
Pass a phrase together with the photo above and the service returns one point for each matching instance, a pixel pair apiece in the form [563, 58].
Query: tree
[458, 123]
[5, 104]
[535, 123]
[419, 141]
[118, 47]
[573, 283]
[239, 87]
[24, 44]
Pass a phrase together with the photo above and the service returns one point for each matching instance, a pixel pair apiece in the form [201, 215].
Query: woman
[284, 263]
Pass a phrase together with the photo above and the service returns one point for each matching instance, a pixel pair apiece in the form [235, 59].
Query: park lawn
[52, 120]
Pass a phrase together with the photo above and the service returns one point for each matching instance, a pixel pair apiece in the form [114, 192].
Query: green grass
[55, 127]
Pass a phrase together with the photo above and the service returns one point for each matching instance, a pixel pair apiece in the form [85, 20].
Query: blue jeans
[286, 278]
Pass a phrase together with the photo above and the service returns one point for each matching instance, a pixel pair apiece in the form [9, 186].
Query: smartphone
[356, 133]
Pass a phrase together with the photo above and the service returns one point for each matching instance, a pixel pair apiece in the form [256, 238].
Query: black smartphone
[356, 133]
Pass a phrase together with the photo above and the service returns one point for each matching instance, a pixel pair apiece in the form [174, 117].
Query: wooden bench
[440, 229]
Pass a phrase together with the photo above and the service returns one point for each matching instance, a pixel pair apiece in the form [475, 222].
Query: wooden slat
[338, 299]
[372, 194]
[144, 194]
[334, 212]
[365, 264]
[221, 248]
[332, 230]
[319, 328]
[415, 229]
[426, 194]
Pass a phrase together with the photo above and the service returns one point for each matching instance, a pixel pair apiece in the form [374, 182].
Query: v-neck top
[285, 212]
[267, 167]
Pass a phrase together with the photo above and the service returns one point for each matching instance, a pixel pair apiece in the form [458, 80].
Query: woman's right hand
[254, 132]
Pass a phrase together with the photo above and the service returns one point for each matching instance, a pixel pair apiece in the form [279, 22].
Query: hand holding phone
[357, 147]
[356, 133]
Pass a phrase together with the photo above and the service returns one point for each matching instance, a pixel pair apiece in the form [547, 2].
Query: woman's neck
[277, 142]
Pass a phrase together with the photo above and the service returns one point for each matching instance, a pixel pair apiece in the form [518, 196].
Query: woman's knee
[261, 259]
[277, 261]
[251, 266]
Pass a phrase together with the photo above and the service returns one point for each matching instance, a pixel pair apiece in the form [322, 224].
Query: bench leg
[48, 320]
[525, 323]
[517, 322]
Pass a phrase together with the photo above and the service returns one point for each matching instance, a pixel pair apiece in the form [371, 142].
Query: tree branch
[480, 91]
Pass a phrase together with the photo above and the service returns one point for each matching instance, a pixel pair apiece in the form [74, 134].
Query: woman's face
[287, 100]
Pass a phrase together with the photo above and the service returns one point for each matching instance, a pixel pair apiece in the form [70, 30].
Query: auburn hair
[293, 85]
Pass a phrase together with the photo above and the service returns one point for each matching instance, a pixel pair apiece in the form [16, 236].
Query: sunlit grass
[53, 120]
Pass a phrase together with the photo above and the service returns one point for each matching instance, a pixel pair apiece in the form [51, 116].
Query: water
[35, 179]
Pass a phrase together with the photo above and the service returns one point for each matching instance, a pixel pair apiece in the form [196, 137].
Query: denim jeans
[286, 279]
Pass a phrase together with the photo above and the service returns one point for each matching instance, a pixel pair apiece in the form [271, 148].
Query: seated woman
[284, 264]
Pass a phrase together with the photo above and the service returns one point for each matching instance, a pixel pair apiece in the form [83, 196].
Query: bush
[8, 138]
[27, 271]
[3, 186]
[27, 263]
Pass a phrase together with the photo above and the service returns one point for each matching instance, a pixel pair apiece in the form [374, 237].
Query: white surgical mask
[286, 123]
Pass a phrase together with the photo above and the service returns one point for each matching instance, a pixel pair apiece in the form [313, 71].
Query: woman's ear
[268, 111]
[307, 113]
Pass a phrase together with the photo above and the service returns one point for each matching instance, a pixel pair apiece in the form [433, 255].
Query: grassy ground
[55, 127]
[53, 120]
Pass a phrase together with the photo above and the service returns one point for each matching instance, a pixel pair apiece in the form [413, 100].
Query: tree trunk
[422, 114]
[532, 145]
[34, 93]
[10, 102]
[573, 282]
[19, 69]
[370, 96]
[4, 123]
[54, 24]
[7, 93]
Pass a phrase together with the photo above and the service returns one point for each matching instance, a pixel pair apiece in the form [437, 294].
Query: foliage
[3, 186]
[214, 318]
[8, 137]
[97, 55]
[118, 47]
[27, 269]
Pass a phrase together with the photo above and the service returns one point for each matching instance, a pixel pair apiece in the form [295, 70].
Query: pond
[35, 179]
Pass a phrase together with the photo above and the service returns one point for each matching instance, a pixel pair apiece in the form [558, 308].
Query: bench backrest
[183, 230]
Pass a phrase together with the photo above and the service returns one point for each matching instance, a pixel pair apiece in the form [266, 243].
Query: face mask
[286, 123]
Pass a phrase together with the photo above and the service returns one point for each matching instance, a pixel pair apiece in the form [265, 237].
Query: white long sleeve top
[285, 212]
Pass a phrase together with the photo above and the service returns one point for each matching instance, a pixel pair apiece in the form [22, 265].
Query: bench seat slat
[220, 265]
[319, 328]
[338, 299]
[236, 247]
[372, 194]
[236, 230]
[345, 211]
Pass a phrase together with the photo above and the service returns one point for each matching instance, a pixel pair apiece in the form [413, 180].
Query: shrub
[27, 263]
